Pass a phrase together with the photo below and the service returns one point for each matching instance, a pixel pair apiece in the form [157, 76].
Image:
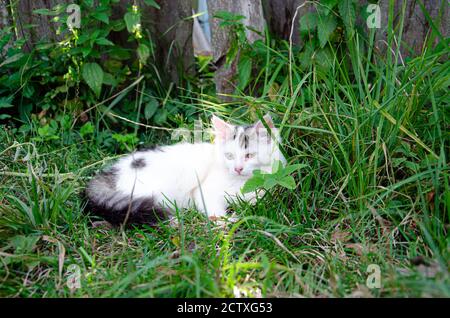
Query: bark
[4, 14]
[279, 15]
[118, 12]
[220, 37]
[199, 41]
[5, 22]
[416, 28]
[171, 30]
[36, 27]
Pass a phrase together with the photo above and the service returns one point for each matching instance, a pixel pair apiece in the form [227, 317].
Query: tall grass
[373, 132]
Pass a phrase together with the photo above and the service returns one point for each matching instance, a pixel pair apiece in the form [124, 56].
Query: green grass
[374, 136]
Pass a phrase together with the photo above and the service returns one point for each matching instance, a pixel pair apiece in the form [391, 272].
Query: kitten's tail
[118, 208]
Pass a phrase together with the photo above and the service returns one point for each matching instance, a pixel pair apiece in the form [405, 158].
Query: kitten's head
[244, 149]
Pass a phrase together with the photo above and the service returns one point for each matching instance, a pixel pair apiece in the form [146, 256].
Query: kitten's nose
[238, 169]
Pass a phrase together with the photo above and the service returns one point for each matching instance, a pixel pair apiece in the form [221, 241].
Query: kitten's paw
[223, 220]
[173, 221]
[102, 224]
[214, 218]
[232, 218]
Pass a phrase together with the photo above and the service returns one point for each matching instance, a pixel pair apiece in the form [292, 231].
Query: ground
[309, 242]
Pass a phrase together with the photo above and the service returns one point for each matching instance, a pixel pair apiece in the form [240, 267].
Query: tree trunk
[279, 15]
[5, 22]
[416, 28]
[171, 29]
[5, 18]
[35, 27]
[220, 37]
[118, 12]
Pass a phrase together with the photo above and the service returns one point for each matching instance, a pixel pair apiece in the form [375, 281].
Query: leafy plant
[281, 176]
[87, 129]
[75, 73]
[126, 142]
[239, 48]
[39, 208]
[47, 132]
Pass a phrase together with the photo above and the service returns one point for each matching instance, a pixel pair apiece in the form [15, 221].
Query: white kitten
[147, 185]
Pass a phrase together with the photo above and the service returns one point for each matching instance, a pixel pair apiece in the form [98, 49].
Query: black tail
[117, 208]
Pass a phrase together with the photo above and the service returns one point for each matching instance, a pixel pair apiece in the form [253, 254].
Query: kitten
[148, 185]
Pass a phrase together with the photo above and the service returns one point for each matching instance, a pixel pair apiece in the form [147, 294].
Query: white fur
[187, 175]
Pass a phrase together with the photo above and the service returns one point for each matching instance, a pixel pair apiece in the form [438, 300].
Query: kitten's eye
[229, 156]
[249, 155]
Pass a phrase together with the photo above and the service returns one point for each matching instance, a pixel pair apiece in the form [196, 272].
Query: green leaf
[306, 56]
[291, 168]
[47, 132]
[24, 244]
[132, 21]
[244, 71]
[93, 75]
[12, 59]
[327, 6]
[228, 16]
[324, 58]
[270, 182]
[86, 51]
[252, 184]
[172, 108]
[94, 35]
[308, 22]
[109, 79]
[43, 11]
[152, 3]
[150, 108]
[6, 102]
[104, 41]
[348, 14]
[143, 53]
[277, 168]
[28, 90]
[117, 25]
[287, 182]
[160, 117]
[232, 53]
[86, 129]
[325, 28]
[57, 10]
[119, 53]
[101, 16]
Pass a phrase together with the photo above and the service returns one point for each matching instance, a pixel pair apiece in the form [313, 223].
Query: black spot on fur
[104, 201]
[108, 177]
[235, 132]
[246, 141]
[244, 138]
[149, 148]
[140, 211]
[138, 163]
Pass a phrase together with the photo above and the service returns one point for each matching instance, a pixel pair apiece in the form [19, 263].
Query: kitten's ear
[261, 130]
[259, 125]
[221, 128]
